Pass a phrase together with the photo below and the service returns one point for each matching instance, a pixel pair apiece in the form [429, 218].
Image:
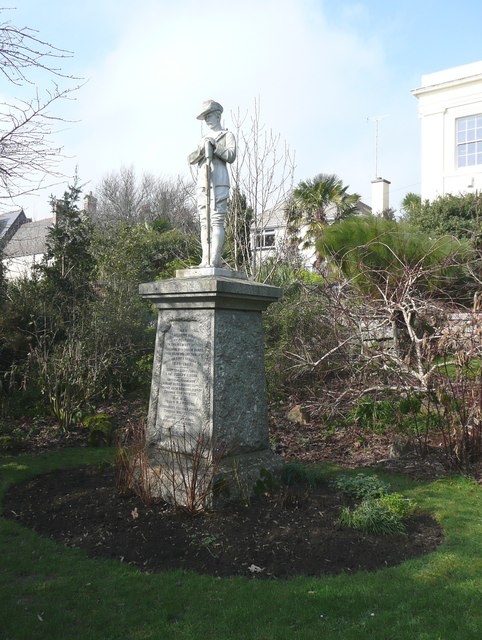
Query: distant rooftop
[30, 239]
[7, 220]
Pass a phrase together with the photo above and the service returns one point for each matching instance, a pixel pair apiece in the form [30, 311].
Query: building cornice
[449, 84]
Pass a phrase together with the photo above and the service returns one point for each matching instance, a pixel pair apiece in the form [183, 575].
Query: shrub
[380, 516]
[379, 512]
[297, 473]
[100, 429]
[361, 487]
[374, 415]
[183, 472]
[9, 443]
[11, 438]
[133, 474]
[302, 341]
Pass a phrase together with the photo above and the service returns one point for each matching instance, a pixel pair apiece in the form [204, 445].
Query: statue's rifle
[208, 155]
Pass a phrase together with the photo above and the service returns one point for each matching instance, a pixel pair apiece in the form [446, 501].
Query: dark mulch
[292, 533]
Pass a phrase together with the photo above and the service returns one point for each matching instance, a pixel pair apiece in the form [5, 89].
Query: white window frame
[266, 239]
[468, 141]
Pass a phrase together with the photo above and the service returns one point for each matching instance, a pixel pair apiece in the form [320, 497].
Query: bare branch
[28, 156]
[21, 50]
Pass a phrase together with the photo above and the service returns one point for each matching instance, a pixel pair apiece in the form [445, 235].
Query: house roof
[276, 217]
[9, 220]
[29, 240]
[273, 218]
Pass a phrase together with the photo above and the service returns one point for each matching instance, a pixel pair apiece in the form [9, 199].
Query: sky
[326, 74]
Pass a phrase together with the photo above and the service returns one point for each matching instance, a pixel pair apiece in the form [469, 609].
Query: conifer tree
[68, 264]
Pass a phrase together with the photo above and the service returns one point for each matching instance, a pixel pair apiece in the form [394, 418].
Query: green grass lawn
[52, 593]
[471, 371]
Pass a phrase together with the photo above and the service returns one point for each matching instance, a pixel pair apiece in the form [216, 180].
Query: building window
[265, 239]
[469, 141]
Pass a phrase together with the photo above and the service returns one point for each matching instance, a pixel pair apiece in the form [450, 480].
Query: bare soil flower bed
[293, 532]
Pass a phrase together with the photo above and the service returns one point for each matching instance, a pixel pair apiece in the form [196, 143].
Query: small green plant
[266, 483]
[9, 443]
[11, 438]
[397, 503]
[297, 473]
[379, 516]
[208, 541]
[361, 487]
[379, 512]
[328, 430]
[100, 429]
[410, 404]
[374, 415]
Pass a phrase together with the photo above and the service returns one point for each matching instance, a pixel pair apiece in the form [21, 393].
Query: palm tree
[411, 205]
[314, 198]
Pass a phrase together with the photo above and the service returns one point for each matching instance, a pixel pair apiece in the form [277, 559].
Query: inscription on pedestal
[182, 383]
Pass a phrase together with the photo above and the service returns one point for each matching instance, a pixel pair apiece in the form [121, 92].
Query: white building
[23, 242]
[450, 111]
[271, 238]
[26, 248]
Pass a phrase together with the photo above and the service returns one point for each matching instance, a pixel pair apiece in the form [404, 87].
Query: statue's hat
[208, 106]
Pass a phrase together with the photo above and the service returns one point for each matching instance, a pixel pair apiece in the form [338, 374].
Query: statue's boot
[217, 244]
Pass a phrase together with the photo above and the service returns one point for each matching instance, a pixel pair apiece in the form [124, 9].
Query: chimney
[90, 205]
[380, 196]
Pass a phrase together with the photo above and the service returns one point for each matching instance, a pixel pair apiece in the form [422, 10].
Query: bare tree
[27, 155]
[262, 177]
[122, 196]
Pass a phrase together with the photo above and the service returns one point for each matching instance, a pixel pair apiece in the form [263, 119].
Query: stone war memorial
[207, 428]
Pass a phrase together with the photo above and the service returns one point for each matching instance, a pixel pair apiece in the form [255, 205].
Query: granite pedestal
[208, 393]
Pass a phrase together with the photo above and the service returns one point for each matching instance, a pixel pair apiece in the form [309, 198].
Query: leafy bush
[381, 516]
[9, 443]
[76, 372]
[456, 215]
[375, 254]
[142, 374]
[78, 331]
[361, 487]
[408, 416]
[374, 415]
[100, 429]
[297, 473]
[379, 512]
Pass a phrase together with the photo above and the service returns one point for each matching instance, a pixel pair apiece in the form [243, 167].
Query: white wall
[282, 241]
[21, 266]
[443, 97]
